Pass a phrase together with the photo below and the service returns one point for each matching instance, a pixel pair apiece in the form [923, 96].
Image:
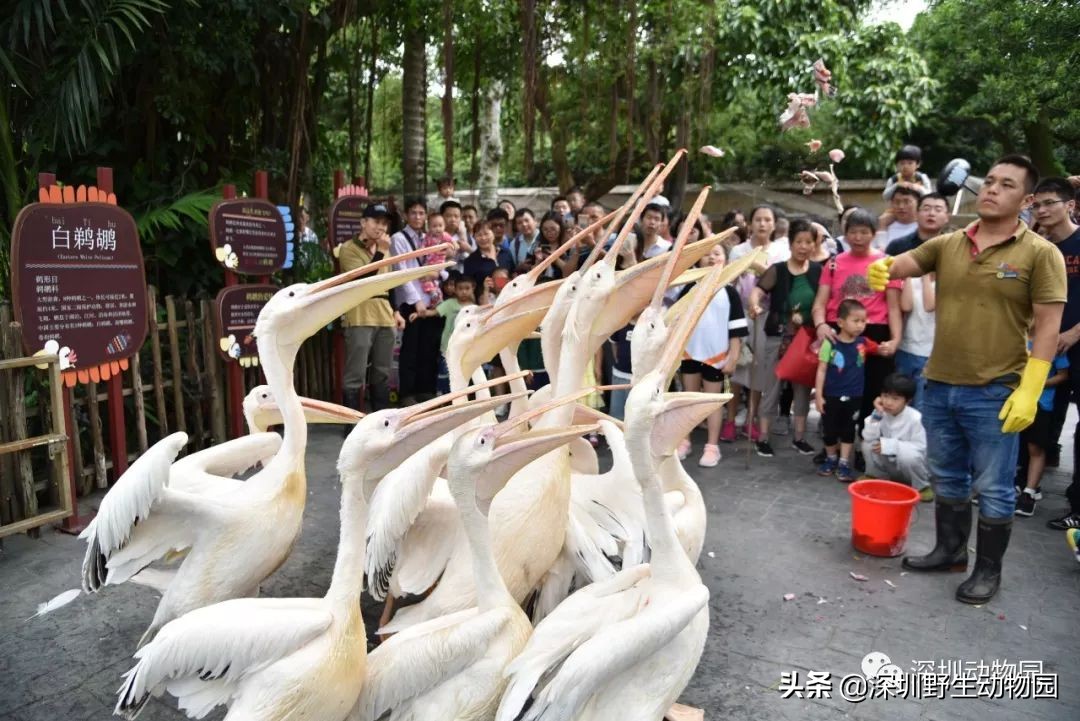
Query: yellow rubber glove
[877, 274]
[1020, 407]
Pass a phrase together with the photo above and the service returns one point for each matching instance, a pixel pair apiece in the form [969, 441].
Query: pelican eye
[386, 424]
[292, 293]
[483, 441]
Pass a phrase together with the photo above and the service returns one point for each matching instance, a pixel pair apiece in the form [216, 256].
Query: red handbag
[800, 361]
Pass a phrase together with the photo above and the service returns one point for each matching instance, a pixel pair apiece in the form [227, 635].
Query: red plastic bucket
[880, 516]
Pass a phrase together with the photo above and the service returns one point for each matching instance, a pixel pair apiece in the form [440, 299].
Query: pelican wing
[210, 469]
[428, 545]
[613, 650]
[572, 623]
[140, 493]
[398, 500]
[201, 656]
[421, 657]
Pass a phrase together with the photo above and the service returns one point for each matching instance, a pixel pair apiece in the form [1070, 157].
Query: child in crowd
[460, 293]
[894, 440]
[621, 368]
[436, 235]
[908, 161]
[712, 353]
[1037, 438]
[841, 379]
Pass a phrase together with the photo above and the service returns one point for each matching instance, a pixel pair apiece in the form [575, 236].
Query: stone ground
[774, 528]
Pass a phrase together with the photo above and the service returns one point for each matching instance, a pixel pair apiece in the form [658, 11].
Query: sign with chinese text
[345, 218]
[238, 308]
[248, 236]
[79, 286]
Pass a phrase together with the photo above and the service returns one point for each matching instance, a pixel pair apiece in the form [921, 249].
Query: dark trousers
[418, 361]
[877, 369]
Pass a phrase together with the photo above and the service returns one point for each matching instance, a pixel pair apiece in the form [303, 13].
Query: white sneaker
[740, 417]
[710, 456]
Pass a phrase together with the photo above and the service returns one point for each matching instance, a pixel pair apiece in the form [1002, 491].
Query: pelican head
[658, 420]
[297, 312]
[262, 411]
[481, 334]
[486, 458]
[381, 441]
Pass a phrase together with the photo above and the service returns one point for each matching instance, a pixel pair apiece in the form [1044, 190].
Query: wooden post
[25, 493]
[233, 373]
[159, 373]
[177, 369]
[96, 439]
[213, 381]
[8, 511]
[140, 402]
[338, 338]
[194, 329]
[115, 385]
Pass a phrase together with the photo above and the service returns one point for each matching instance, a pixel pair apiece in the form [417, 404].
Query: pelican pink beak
[681, 414]
[502, 326]
[269, 414]
[646, 198]
[322, 302]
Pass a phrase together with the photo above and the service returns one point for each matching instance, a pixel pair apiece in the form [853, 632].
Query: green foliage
[1007, 71]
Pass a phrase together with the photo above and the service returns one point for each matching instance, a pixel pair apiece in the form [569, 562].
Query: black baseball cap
[376, 210]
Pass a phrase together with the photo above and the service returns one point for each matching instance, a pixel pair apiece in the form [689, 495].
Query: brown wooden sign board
[78, 281]
[248, 236]
[346, 218]
[238, 308]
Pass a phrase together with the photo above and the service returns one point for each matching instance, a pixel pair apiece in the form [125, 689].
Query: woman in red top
[845, 277]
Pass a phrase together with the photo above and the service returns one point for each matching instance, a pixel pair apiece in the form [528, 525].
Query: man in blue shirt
[1051, 210]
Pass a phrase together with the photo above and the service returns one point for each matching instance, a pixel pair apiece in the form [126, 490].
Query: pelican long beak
[538, 270]
[599, 247]
[533, 414]
[418, 411]
[676, 250]
[502, 327]
[681, 414]
[269, 414]
[652, 192]
[635, 286]
[514, 452]
[702, 294]
[585, 415]
[730, 273]
[326, 300]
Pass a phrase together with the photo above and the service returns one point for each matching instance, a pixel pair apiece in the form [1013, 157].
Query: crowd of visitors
[908, 374]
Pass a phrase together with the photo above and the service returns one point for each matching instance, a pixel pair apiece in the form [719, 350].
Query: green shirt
[984, 302]
[800, 298]
[448, 309]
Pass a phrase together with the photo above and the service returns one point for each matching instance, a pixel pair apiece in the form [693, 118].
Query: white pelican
[452, 667]
[241, 533]
[624, 648]
[290, 659]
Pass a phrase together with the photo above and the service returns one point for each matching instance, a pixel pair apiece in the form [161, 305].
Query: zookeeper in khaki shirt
[996, 282]
[369, 327]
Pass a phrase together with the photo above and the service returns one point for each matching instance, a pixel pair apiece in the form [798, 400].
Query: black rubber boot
[952, 520]
[992, 540]
[350, 398]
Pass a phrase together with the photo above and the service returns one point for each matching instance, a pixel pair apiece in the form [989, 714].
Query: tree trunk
[369, 107]
[351, 72]
[448, 87]
[652, 115]
[491, 148]
[1040, 143]
[677, 180]
[631, 43]
[474, 108]
[413, 97]
[563, 174]
[528, 31]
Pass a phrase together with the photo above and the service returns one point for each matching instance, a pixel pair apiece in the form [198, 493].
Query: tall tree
[448, 86]
[414, 105]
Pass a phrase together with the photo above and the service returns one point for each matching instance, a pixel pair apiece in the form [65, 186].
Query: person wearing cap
[996, 281]
[369, 327]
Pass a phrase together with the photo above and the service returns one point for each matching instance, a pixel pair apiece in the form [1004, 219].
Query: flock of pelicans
[441, 499]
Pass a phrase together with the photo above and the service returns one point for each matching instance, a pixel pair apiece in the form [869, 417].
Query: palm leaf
[194, 206]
